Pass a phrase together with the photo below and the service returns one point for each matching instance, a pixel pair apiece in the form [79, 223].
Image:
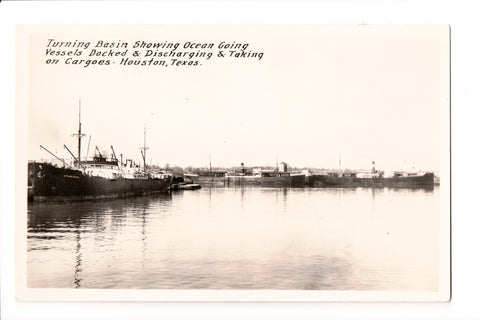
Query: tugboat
[96, 178]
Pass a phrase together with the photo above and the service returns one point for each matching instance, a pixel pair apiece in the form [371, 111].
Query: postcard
[233, 162]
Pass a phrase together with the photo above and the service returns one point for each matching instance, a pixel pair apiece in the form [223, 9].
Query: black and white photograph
[298, 162]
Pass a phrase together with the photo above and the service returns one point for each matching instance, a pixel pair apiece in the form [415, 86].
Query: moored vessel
[373, 178]
[266, 178]
[96, 178]
[216, 177]
[422, 180]
[212, 177]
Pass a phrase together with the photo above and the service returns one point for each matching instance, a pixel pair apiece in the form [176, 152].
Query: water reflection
[63, 217]
[240, 238]
[60, 227]
[78, 263]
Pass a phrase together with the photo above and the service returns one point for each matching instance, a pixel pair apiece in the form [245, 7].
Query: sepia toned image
[233, 162]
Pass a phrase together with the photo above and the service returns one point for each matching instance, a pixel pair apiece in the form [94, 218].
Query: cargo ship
[96, 178]
[266, 178]
[372, 179]
[216, 177]
[211, 177]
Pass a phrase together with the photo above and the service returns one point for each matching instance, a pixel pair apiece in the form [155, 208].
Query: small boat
[185, 186]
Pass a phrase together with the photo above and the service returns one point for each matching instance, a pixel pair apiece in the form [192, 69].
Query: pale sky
[319, 93]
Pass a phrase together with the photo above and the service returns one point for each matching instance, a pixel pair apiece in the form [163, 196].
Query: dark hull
[207, 180]
[425, 181]
[50, 183]
[280, 181]
[185, 186]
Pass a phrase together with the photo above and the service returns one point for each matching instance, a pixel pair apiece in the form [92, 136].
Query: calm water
[240, 238]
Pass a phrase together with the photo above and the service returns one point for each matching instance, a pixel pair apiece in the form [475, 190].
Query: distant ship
[216, 177]
[266, 178]
[374, 178]
[96, 178]
[209, 176]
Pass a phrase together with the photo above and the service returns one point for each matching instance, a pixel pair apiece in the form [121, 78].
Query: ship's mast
[144, 149]
[79, 130]
[210, 160]
[79, 134]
